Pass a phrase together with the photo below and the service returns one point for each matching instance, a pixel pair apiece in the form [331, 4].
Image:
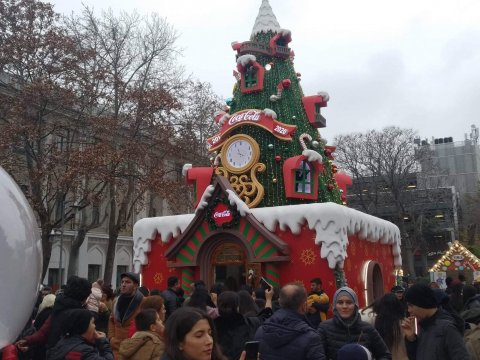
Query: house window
[54, 277]
[303, 178]
[250, 77]
[93, 272]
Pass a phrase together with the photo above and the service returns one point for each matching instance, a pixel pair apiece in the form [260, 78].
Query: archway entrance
[228, 264]
[373, 278]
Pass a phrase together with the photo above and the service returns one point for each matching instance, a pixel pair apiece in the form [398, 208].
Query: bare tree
[384, 166]
[42, 129]
[136, 95]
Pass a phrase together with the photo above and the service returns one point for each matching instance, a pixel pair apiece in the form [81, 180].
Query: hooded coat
[144, 345]
[286, 335]
[77, 348]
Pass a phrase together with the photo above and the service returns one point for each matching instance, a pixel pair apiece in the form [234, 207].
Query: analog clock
[239, 153]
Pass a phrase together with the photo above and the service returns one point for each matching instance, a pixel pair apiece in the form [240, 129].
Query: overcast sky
[411, 63]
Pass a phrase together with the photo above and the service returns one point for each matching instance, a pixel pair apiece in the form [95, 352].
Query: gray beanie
[345, 290]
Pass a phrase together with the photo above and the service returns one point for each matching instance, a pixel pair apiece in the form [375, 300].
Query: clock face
[240, 153]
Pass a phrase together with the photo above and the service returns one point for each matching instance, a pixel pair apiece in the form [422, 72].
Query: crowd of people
[86, 321]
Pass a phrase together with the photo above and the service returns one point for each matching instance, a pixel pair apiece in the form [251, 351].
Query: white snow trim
[242, 208]
[325, 95]
[145, 231]
[185, 169]
[266, 20]
[332, 223]
[207, 194]
[312, 156]
[284, 32]
[246, 59]
[270, 112]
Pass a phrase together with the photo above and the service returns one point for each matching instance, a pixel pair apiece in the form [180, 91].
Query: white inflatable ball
[20, 260]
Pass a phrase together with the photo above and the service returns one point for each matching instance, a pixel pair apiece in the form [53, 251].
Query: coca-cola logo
[221, 214]
[250, 115]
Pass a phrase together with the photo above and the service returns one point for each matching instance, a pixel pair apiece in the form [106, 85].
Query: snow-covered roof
[266, 20]
[332, 223]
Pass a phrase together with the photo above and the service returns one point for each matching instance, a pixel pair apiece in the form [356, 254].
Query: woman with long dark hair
[389, 314]
[190, 335]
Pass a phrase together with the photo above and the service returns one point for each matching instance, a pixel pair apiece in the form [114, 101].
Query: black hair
[469, 291]
[172, 281]
[246, 303]
[316, 280]
[155, 292]
[78, 288]
[200, 298]
[144, 290]
[228, 303]
[390, 312]
[218, 288]
[179, 324]
[145, 318]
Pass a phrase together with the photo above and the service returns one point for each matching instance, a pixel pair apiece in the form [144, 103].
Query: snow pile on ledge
[331, 222]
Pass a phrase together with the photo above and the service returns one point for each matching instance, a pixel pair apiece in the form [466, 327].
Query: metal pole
[60, 264]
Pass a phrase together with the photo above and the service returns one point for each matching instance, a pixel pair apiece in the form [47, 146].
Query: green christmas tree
[267, 80]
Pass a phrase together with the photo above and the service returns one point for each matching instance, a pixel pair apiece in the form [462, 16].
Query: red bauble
[330, 187]
[344, 198]
[334, 169]
[278, 158]
[286, 83]
[327, 152]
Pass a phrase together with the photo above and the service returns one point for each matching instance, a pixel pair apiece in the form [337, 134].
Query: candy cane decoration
[237, 75]
[284, 84]
[302, 140]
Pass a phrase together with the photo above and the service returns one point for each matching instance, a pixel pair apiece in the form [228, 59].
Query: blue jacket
[286, 335]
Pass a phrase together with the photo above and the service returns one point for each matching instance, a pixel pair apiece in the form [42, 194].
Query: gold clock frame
[253, 160]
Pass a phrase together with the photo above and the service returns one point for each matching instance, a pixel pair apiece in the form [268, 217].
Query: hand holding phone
[264, 284]
[251, 349]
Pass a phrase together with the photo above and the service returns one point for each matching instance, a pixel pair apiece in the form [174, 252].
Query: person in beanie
[82, 341]
[347, 327]
[437, 338]
[125, 308]
[354, 352]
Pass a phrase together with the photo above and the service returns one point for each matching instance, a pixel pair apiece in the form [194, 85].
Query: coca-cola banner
[251, 117]
[221, 214]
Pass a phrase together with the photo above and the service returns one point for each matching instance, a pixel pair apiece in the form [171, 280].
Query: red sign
[221, 214]
[251, 117]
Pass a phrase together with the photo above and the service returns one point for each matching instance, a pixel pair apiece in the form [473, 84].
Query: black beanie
[79, 321]
[422, 296]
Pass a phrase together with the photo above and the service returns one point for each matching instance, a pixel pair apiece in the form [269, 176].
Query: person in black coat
[286, 334]
[347, 327]
[233, 328]
[74, 297]
[438, 337]
[82, 341]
